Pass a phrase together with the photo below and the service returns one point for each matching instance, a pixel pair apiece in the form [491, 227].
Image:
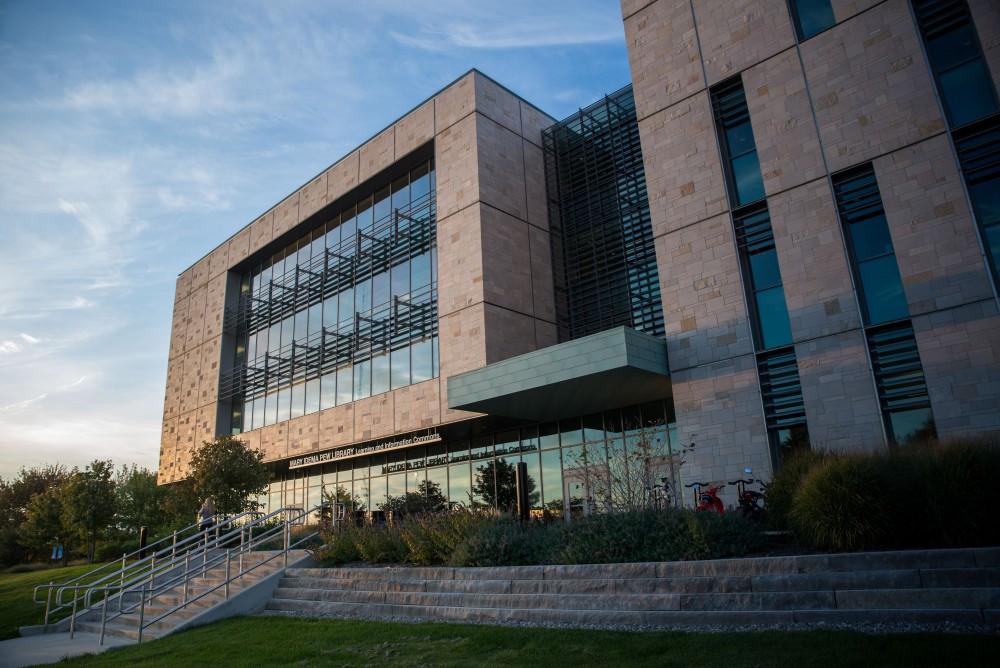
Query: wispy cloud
[132, 142]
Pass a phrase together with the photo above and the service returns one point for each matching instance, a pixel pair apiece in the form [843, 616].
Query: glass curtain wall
[777, 367]
[602, 237]
[618, 459]
[899, 375]
[345, 312]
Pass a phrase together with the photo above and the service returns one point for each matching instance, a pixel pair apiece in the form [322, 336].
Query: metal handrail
[120, 574]
[177, 570]
[285, 529]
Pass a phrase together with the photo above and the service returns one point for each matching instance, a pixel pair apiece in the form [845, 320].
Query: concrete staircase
[926, 586]
[198, 611]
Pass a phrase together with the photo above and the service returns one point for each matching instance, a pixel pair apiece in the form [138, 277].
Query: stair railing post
[122, 583]
[72, 619]
[152, 576]
[173, 546]
[142, 611]
[48, 601]
[187, 567]
[288, 534]
[228, 557]
[242, 550]
[104, 614]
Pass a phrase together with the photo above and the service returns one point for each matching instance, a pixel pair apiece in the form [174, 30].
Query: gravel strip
[868, 627]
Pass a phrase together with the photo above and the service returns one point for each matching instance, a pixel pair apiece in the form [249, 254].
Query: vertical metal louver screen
[899, 375]
[781, 389]
[602, 239]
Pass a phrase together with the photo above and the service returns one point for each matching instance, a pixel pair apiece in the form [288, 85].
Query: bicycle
[707, 500]
[751, 502]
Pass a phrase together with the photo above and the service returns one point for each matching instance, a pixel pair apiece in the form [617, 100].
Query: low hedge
[936, 495]
[477, 539]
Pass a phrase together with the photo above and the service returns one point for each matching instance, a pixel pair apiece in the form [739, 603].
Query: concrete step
[631, 602]
[904, 560]
[891, 579]
[533, 615]
[911, 599]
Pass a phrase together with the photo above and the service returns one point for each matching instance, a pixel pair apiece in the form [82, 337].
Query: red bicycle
[707, 500]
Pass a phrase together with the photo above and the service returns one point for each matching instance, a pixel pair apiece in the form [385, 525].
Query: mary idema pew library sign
[782, 237]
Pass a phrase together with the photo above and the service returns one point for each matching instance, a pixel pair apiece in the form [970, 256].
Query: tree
[496, 485]
[232, 474]
[15, 496]
[428, 498]
[139, 500]
[45, 524]
[179, 505]
[89, 502]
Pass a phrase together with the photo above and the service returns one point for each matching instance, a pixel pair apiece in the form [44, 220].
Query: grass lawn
[273, 641]
[16, 608]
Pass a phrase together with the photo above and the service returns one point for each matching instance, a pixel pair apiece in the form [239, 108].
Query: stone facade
[859, 91]
[487, 147]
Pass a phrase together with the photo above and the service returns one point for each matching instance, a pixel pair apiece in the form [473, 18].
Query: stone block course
[933, 232]
[497, 103]
[783, 127]
[378, 153]
[336, 426]
[663, 55]
[871, 88]
[700, 281]
[303, 434]
[195, 320]
[374, 416]
[343, 176]
[261, 232]
[960, 353]
[814, 267]
[313, 196]
[718, 410]
[415, 129]
[683, 172]
[286, 215]
[739, 33]
[842, 409]
[455, 102]
[501, 167]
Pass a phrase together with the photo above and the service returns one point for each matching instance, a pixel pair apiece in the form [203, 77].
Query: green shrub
[435, 537]
[784, 484]
[839, 505]
[950, 495]
[339, 548]
[381, 545]
[505, 542]
[931, 495]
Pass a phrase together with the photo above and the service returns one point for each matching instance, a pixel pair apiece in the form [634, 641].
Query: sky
[137, 136]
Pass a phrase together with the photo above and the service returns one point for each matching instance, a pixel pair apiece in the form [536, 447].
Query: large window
[615, 460]
[979, 153]
[956, 58]
[732, 120]
[759, 258]
[347, 311]
[811, 17]
[902, 390]
[603, 253]
[784, 409]
[870, 246]
[899, 376]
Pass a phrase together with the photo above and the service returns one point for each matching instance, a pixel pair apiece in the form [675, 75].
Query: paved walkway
[51, 647]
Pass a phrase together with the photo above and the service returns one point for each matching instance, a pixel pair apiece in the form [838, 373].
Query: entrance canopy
[610, 369]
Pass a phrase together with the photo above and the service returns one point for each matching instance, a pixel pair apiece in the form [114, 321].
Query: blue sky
[136, 136]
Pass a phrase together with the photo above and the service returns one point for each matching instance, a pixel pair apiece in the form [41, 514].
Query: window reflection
[347, 311]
